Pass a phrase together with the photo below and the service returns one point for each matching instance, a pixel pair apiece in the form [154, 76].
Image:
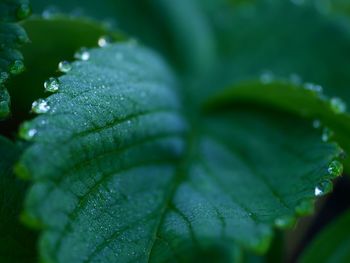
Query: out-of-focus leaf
[332, 245]
[180, 29]
[17, 244]
[281, 38]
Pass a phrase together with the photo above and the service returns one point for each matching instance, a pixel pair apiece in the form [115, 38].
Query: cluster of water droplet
[337, 105]
[335, 169]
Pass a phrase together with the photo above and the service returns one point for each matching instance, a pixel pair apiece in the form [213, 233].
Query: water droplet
[3, 77]
[335, 168]
[337, 105]
[26, 131]
[23, 11]
[266, 77]
[16, 67]
[285, 221]
[104, 41]
[51, 85]
[50, 12]
[132, 42]
[323, 188]
[316, 124]
[77, 12]
[64, 66]
[313, 87]
[82, 54]
[327, 134]
[305, 207]
[295, 79]
[40, 106]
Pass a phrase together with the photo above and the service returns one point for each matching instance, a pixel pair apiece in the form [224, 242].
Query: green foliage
[179, 194]
[332, 244]
[17, 243]
[196, 150]
[11, 37]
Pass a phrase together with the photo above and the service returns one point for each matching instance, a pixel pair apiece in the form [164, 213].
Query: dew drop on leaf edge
[104, 41]
[40, 106]
[82, 54]
[50, 12]
[266, 77]
[323, 188]
[26, 131]
[51, 85]
[285, 221]
[316, 124]
[335, 168]
[327, 134]
[313, 87]
[16, 67]
[337, 105]
[64, 66]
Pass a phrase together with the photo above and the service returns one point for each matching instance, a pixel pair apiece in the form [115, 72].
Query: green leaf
[306, 100]
[17, 244]
[332, 244]
[123, 172]
[179, 29]
[283, 39]
[12, 36]
[14, 10]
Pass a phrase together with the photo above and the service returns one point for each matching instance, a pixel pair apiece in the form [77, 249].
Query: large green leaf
[11, 37]
[332, 245]
[17, 244]
[122, 172]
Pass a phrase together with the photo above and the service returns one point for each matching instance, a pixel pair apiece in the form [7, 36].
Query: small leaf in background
[332, 244]
[17, 243]
[12, 36]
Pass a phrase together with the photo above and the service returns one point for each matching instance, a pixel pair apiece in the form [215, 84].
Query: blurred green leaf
[332, 245]
[179, 29]
[283, 39]
[17, 243]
